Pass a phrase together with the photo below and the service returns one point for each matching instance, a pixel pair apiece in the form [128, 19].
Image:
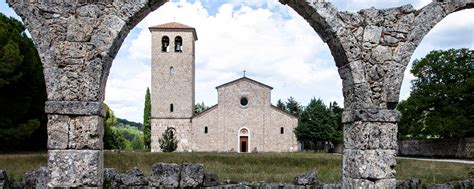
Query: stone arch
[78, 40]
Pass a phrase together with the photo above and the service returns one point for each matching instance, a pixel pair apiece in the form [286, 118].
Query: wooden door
[244, 142]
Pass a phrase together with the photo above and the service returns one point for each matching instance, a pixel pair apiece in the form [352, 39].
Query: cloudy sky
[270, 41]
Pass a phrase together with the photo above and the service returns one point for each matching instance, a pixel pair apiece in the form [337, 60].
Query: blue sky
[269, 40]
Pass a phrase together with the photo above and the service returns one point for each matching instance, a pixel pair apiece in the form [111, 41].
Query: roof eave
[175, 29]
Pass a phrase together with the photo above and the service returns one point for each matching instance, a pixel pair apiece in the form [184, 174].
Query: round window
[244, 101]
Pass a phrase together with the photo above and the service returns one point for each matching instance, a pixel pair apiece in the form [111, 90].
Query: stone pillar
[77, 41]
[75, 132]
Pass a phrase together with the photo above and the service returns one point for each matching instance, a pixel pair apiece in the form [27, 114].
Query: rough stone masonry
[78, 39]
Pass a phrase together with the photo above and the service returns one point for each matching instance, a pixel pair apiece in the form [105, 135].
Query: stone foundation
[192, 176]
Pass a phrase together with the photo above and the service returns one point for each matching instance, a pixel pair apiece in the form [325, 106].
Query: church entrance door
[244, 143]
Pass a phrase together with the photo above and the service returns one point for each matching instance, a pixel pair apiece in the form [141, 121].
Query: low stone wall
[458, 148]
[166, 175]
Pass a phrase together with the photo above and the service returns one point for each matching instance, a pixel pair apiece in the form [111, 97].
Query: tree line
[318, 124]
[22, 90]
[120, 134]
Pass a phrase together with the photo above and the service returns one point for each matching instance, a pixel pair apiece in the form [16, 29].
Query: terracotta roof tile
[172, 25]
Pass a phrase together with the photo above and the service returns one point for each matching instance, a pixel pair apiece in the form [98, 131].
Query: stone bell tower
[172, 84]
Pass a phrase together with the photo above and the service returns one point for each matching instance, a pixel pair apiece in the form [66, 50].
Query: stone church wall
[183, 132]
[233, 117]
[206, 141]
[275, 140]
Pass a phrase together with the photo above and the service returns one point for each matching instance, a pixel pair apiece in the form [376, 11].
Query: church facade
[243, 120]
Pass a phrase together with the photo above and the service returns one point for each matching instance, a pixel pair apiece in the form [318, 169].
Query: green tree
[137, 142]
[168, 141]
[281, 105]
[200, 107]
[337, 116]
[316, 124]
[441, 101]
[22, 90]
[112, 138]
[293, 106]
[146, 120]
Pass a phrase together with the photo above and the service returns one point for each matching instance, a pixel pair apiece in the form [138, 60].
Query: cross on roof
[244, 73]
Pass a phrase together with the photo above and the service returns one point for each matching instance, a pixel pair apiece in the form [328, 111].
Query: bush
[168, 141]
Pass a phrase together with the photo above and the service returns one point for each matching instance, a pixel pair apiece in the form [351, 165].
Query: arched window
[171, 108]
[282, 130]
[178, 44]
[205, 129]
[171, 71]
[165, 43]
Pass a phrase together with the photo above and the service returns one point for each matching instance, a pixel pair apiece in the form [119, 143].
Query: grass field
[269, 167]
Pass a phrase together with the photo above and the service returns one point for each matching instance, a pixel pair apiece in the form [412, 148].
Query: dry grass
[269, 167]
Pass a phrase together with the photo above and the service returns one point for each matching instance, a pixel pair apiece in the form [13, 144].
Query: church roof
[246, 79]
[283, 111]
[205, 111]
[173, 26]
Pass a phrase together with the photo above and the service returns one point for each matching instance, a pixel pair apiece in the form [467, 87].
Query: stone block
[372, 34]
[369, 164]
[350, 183]
[372, 16]
[36, 179]
[370, 135]
[352, 73]
[106, 32]
[80, 28]
[282, 186]
[350, 45]
[165, 175]
[357, 96]
[409, 184]
[4, 182]
[405, 23]
[425, 20]
[403, 52]
[76, 82]
[70, 49]
[111, 178]
[381, 54]
[134, 177]
[374, 115]
[75, 168]
[75, 108]
[191, 175]
[210, 179]
[308, 178]
[75, 132]
[394, 77]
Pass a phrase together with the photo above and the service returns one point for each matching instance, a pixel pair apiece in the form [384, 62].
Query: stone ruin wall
[457, 148]
[77, 41]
